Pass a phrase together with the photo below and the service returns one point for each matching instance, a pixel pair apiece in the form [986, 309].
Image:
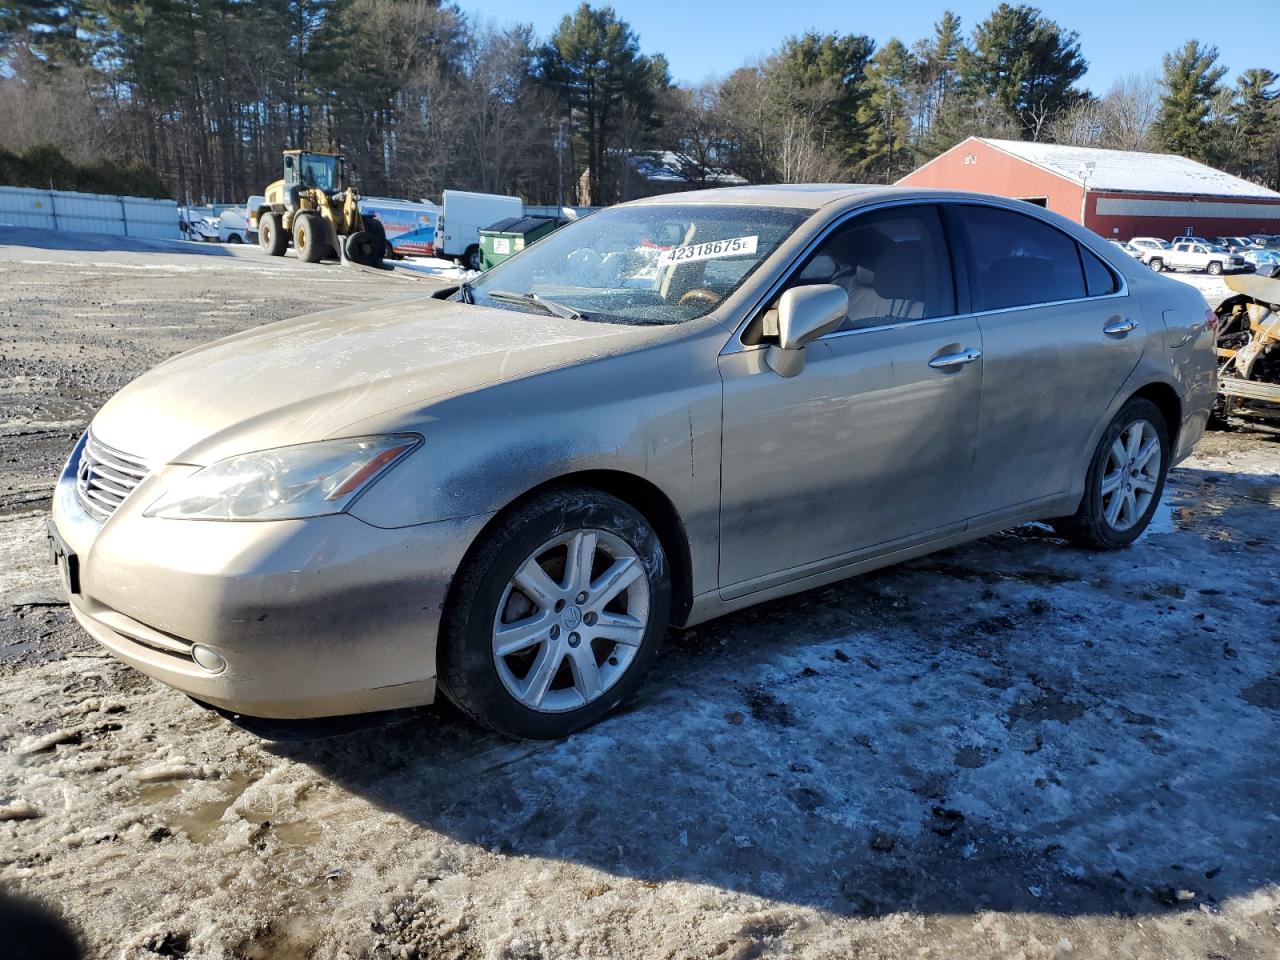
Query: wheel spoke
[1149, 449]
[537, 584]
[579, 560]
[1130, 512]
[1136, 432]
[541, 674]
[620, 628]
[620, 575]
[511, 638]
[586, 675]
[1111, 482]
[1113, 508]
[1119, 456]
[1144, 483]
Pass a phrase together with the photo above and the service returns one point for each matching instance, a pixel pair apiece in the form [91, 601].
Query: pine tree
[938, 57]
[605, 84]
[893, 78]
[824, 76]
[1191, 82]
[1255, 121]
[1026, 64]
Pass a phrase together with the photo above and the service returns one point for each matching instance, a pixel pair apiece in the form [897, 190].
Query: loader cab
[313, 171]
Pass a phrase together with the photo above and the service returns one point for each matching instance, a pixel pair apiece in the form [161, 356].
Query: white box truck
[463, 215]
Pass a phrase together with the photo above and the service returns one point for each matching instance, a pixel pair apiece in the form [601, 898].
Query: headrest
[898, 273]
[821, 269]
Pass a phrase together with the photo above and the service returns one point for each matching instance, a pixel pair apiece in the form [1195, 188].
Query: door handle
[1119, 326]
[945, 361]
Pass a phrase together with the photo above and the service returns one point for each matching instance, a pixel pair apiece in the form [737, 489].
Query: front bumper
[313, 618]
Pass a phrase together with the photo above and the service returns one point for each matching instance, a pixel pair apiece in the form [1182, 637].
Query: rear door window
[1017, 260]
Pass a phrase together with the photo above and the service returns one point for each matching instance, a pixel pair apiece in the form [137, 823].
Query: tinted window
[1018, 260]
[1097, 275]
[893, 264]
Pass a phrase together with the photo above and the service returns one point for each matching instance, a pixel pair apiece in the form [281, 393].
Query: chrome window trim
[735, 344]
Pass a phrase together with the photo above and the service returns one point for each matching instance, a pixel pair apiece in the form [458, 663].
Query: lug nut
[574, 639]
[590, 619]
[582, 597]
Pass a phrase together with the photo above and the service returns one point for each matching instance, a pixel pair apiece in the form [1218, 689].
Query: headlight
[287, 483]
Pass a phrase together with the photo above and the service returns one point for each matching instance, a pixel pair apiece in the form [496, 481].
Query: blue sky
[707, 38]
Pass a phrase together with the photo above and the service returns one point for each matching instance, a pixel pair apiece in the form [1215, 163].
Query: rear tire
[1215, 269]
[561, 672]
[1122, 489]
[471, 259]
[1156, 264]
[271, 236]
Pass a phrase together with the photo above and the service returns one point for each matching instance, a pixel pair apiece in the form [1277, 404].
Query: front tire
[310, 238]
[557, 615]
[271, 235]
[1125, 480]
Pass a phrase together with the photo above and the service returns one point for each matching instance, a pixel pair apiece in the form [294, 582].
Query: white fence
[89, 213]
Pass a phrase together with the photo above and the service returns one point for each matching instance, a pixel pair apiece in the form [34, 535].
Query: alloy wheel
[1131, 475]
[571, 620]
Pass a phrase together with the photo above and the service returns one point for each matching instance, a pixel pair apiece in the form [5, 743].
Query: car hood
[305, 379]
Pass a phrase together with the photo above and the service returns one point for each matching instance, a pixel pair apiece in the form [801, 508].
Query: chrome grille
[104, 477]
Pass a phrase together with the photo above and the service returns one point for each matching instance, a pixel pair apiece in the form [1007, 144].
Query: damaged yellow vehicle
[1249, 349]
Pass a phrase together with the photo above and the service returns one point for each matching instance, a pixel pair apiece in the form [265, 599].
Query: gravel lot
[1010, 749]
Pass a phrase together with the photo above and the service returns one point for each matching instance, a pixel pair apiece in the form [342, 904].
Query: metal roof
[1132, 172]
[805, 196]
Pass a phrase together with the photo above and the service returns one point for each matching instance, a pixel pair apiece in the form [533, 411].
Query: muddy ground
[1010, 749]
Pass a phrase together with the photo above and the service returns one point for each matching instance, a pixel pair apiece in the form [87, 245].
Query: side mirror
[804, 315]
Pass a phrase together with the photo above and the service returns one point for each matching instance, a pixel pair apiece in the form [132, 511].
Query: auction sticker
[734, 247]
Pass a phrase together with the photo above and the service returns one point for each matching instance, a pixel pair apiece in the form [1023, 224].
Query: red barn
[1116, 193]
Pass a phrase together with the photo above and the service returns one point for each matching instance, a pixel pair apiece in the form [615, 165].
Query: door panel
[1050, 369]
[868, 444]
[1049, 374]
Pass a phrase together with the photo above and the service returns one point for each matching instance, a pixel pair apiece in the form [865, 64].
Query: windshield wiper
[533, 300]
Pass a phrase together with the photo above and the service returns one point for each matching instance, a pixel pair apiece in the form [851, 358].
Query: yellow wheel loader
[312, 208]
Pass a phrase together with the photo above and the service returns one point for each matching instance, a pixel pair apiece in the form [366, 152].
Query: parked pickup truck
[1197, 256]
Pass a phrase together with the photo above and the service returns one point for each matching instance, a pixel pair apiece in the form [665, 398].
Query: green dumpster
[506, 237]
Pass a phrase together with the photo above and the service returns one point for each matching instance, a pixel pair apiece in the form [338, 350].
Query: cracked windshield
[650, 264]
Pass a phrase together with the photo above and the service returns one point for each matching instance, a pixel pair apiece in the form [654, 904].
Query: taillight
[1211, 320]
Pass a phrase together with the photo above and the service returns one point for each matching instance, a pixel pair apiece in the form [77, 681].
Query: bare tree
[1121, 120]
[42, 106]
[1131, 107]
